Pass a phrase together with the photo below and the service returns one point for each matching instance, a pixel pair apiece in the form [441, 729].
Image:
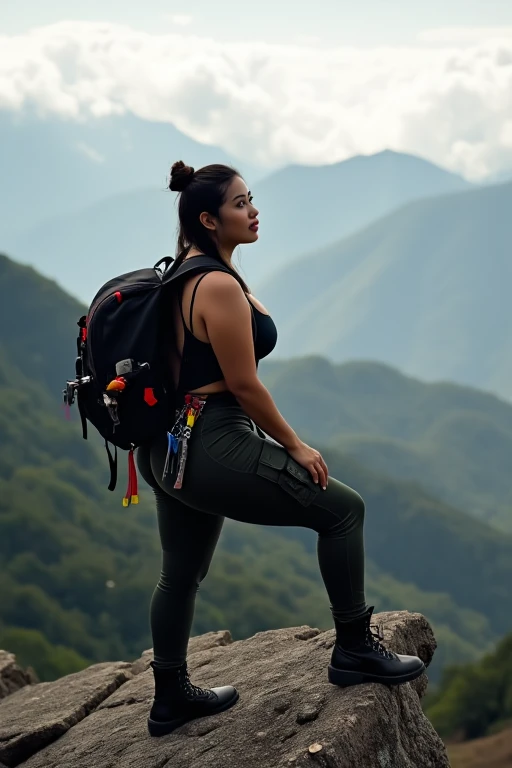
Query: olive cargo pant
[233, 472]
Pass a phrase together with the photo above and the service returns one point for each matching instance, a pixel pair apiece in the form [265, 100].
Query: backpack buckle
[130, 368]
[69, 392]
[71, 387]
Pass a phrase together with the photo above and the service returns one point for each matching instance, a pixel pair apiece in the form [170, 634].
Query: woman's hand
[312, 460]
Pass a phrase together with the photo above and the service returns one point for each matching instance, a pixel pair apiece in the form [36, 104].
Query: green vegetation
[78, 569]
[475, 699]
[52, 661]
[454, 441]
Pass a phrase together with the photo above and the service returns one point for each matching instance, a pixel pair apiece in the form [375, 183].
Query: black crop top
[199, 366]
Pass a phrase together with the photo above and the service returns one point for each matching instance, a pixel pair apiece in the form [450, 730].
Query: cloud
[180, 19]
[465, 35]
[308, 40]
[272, 104]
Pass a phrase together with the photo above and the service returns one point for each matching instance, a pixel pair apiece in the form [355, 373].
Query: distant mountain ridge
[305, 207]
[300, 207]
[424, 289]
[53, 167]
[84, 249]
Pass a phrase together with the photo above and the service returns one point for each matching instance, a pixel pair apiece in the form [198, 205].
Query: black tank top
[199, 366]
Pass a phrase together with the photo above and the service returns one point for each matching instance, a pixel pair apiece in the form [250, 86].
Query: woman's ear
[208, 221]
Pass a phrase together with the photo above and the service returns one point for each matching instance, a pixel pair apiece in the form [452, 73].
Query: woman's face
[237, 222]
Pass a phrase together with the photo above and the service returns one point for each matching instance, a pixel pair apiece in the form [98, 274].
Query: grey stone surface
[12, 676]
[36, 715]
[288, 714]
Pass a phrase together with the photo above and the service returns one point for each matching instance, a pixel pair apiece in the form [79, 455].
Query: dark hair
[201, 190]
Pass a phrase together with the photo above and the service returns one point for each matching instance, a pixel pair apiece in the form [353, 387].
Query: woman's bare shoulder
[221, 285]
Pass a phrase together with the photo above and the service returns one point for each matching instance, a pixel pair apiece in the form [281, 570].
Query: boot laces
[372, 639]
[190, 688]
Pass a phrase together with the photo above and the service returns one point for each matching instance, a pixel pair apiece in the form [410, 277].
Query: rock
[141, 664]
[12, 676]
[196, 644]
[37, 715]
[288, 713]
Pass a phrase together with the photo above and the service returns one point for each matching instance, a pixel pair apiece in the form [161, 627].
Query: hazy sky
[352, 22]
[275, 81]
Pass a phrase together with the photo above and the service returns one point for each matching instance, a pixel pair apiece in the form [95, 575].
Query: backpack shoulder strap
[193, 265]
[201, 264]
[192, 301]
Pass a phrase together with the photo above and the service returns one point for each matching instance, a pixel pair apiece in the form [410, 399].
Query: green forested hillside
[415, 538]
[37, 326]
[474, 700]
[455, 441]
[425, 289]
[77, 569]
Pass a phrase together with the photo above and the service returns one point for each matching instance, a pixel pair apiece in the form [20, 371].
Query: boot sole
[345, 678]
[163, 727]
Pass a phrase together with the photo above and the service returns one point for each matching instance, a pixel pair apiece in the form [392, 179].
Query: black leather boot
[177, 701]
[359, 657]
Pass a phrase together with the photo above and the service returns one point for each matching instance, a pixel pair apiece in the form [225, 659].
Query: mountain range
[425, 289]
[454, 441]
[64, 538]
[387, 277]
[384, 257]
[53, 167]
[102, 222]
[305, 208]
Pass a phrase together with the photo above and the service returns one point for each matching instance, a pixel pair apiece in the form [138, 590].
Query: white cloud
[180, 19]
[277, 103]
[465, 35]
[506, 134]
[308, 40]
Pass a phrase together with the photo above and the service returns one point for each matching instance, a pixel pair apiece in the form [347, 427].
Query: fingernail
[324, 487]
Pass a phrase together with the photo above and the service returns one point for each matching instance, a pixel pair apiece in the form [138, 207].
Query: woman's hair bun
[181, 176]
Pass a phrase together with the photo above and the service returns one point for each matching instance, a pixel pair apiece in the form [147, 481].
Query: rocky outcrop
[288, 714]
[12, 676]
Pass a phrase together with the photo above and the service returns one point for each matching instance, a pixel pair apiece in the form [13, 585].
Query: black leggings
[233, 472]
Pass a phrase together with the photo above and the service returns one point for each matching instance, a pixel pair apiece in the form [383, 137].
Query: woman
[233, 471]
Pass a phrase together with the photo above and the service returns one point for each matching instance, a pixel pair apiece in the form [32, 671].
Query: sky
[277, 82]
[347, 22]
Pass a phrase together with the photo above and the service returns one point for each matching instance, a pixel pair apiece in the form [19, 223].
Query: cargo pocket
[275, 464]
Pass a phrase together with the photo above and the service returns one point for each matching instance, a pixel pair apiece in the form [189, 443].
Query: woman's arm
[227, 317]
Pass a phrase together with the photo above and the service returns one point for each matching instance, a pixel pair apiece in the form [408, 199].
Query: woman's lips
[254, 226]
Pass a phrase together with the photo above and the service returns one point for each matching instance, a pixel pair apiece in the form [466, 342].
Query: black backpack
[123, 384]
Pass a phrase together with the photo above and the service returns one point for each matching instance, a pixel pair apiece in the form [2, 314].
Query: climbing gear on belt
[179, 435]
